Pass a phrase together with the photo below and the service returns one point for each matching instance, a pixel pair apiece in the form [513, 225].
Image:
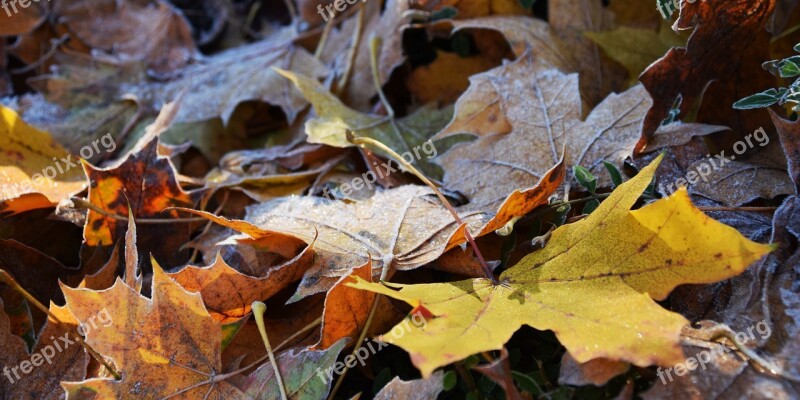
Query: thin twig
[83, 204]
[348, 71]
[36, 64]
[375, 44]
[323, 40]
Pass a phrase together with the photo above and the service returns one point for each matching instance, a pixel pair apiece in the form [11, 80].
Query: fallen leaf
[386, 23]
[447, 77]
[22, 20]
[738, 183]
[595, 372]
[418, 389]
[789, 132]
[726, 36]
[25, 374]
[161, 346]
[303, 373]
[492, 166]
[35, 171]
[401, 229]
[346, 309]
[131, 31]
[146, 182]
[679, 133]
[598, 306]
[525, 35]
[217, 281]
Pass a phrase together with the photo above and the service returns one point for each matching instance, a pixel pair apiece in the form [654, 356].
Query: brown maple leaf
[146, 180]
[162, 347]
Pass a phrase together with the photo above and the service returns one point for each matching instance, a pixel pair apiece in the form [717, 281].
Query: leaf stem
[725, 331]
[258, 312]
[359, 31]
[374, 49]
[83, 204]
[323, 40]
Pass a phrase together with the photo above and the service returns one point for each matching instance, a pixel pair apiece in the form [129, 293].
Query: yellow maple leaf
[594, 285]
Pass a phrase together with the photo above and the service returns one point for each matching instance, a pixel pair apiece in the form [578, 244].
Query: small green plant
[785, 68]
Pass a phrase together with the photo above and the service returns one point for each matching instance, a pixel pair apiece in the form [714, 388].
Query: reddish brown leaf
[346, 309]
[217, 282]
[147, 180]
[729, 35]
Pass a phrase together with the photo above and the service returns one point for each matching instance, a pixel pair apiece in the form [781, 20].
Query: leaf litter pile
[399, 199]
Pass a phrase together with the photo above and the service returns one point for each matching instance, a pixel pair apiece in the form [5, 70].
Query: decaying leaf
[420, 389]
[161, 346]
[789, 133]
[593, 372]
[217, 281]
[726, 35]
[146, 182]
[543, 109]
[131, 31]
[38, 374]
[346, 309]
[401, 229]
[301, 371]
